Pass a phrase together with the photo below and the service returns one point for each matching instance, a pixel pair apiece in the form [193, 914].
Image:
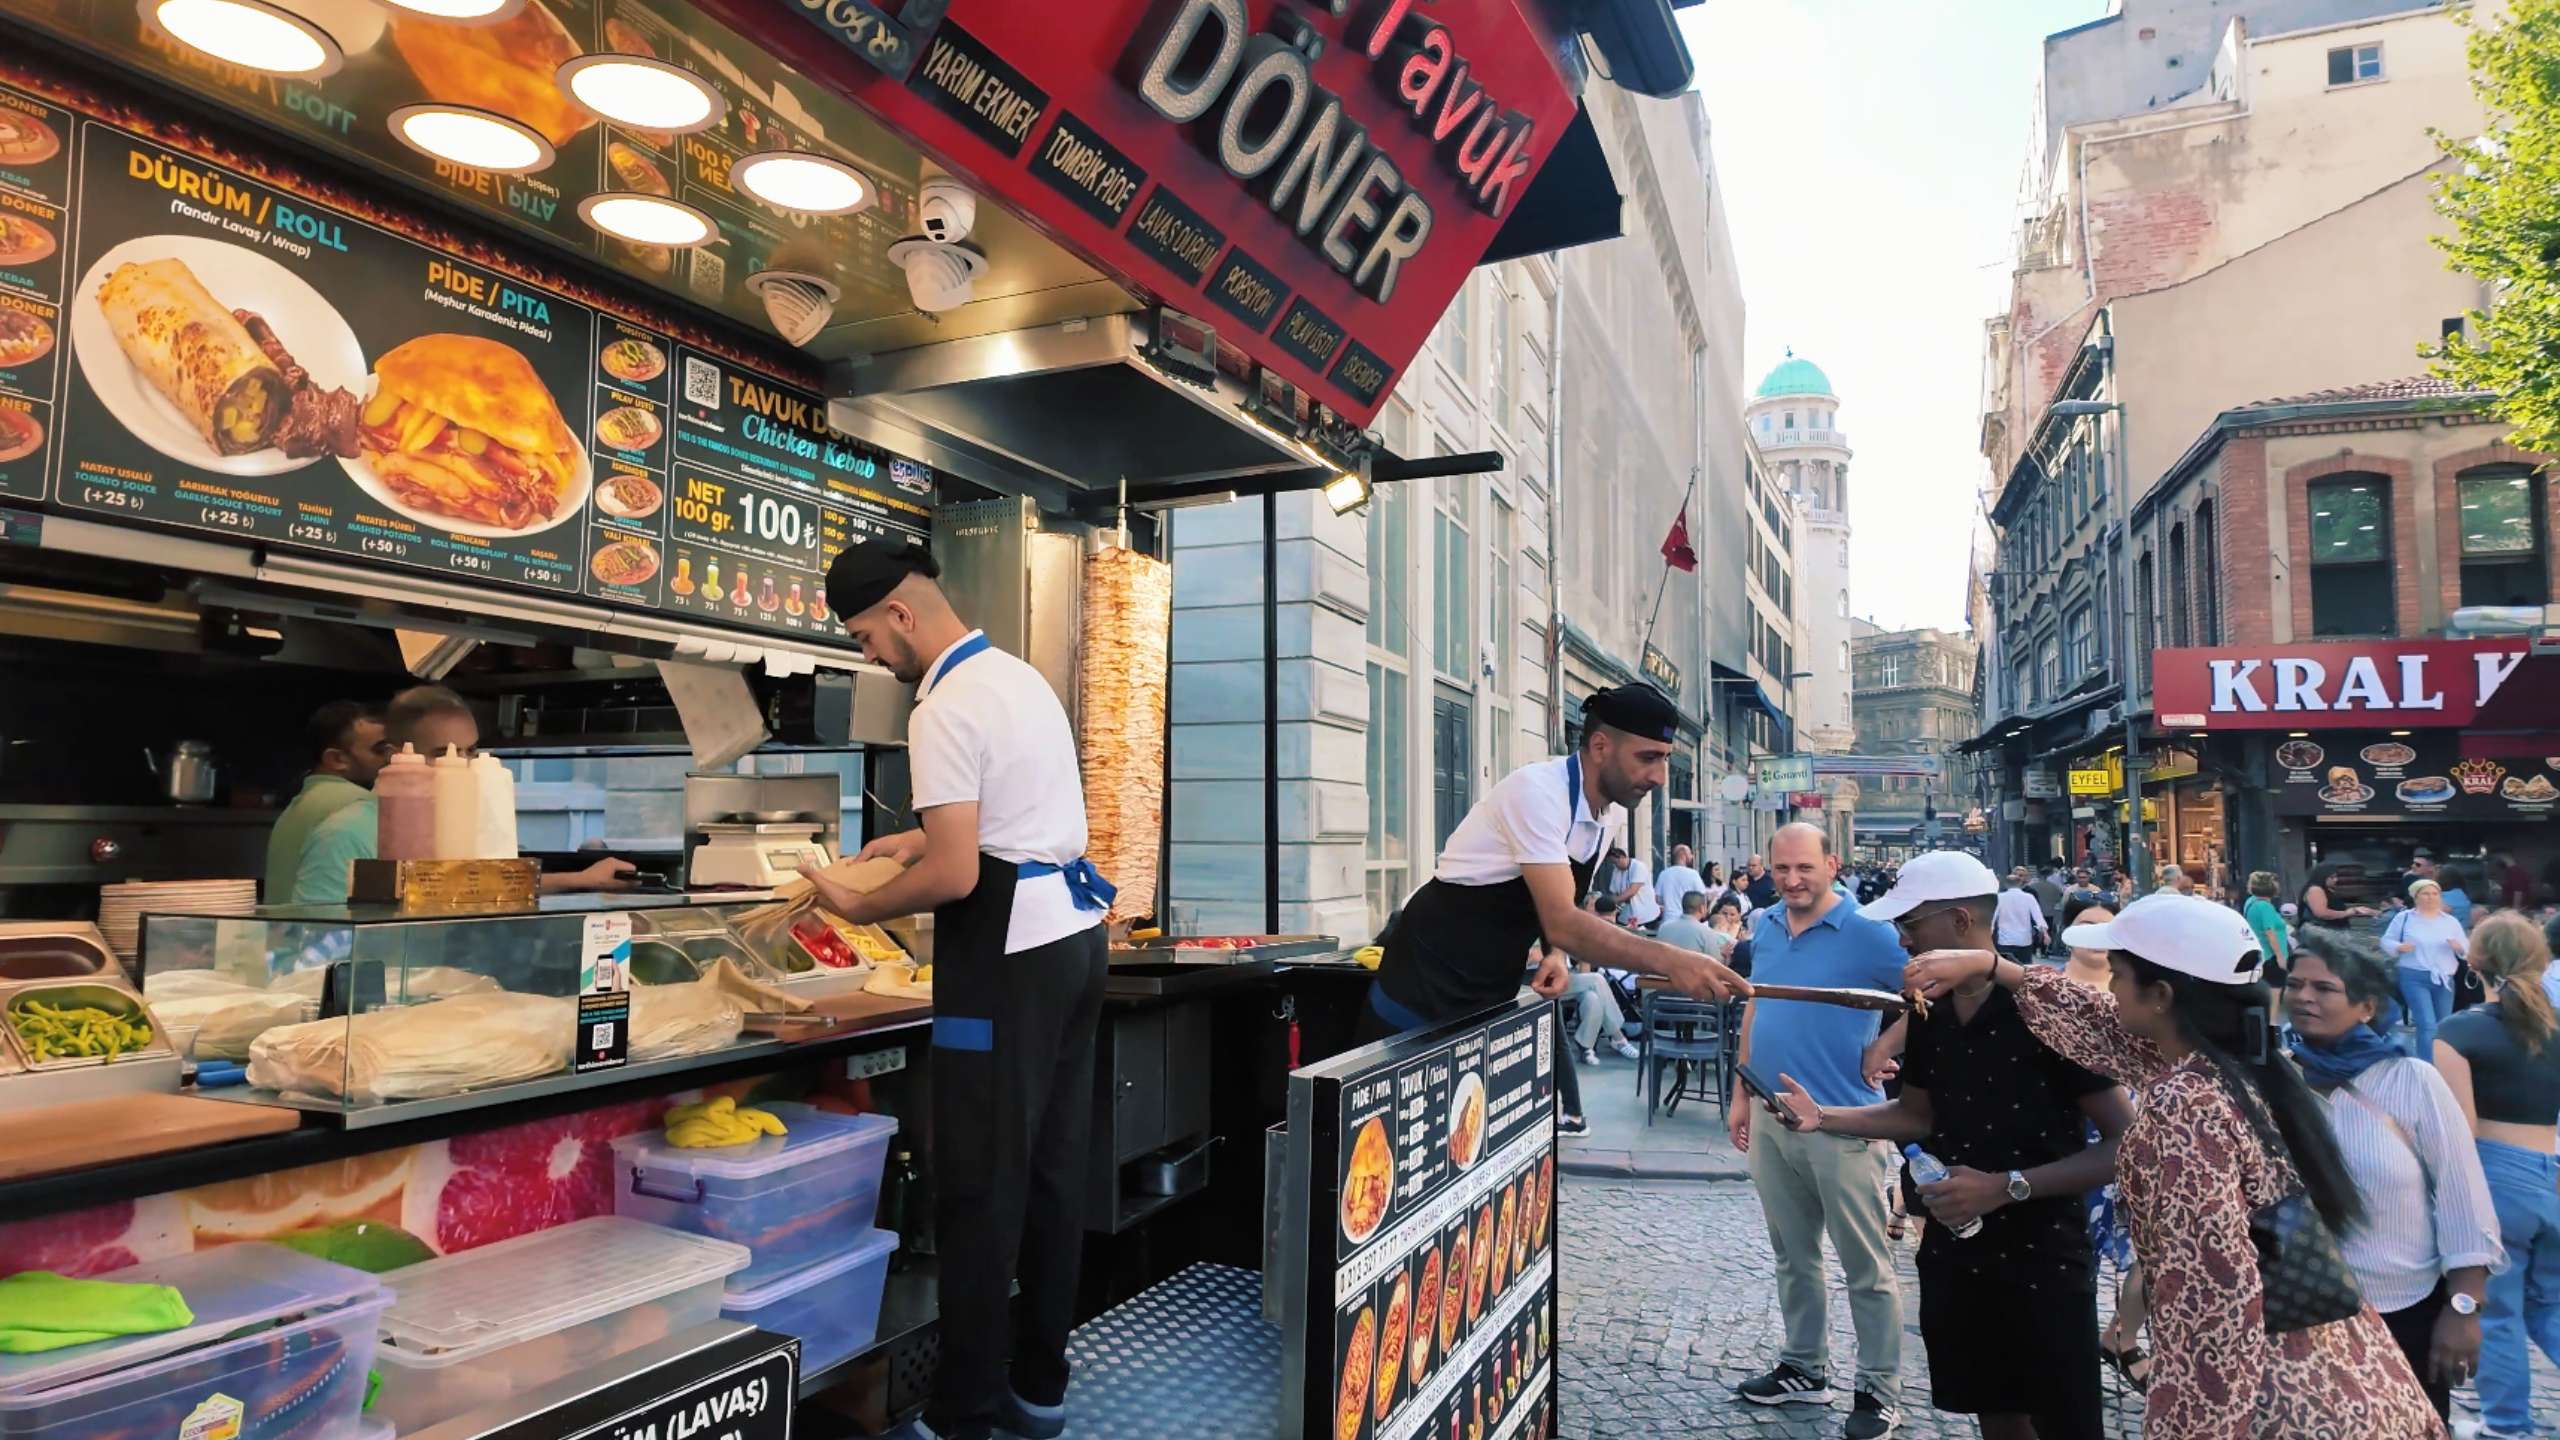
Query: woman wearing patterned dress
[2226, 1126]
[2120, 1344]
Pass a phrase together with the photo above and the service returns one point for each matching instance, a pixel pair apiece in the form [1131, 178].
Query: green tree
[2503, 200]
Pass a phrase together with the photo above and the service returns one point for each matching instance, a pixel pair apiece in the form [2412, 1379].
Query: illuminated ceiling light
[1347, 492]
[461, 12]
[249, 33]
[480, 139]
[646, 219]
[2298, 734]
[2401, 733]
[645, 94]
[807, 184]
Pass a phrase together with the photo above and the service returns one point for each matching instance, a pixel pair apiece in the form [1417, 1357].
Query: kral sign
[2296, 687]
[1315, 177]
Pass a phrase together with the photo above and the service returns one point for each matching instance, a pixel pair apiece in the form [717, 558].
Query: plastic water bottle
[1928, 1169]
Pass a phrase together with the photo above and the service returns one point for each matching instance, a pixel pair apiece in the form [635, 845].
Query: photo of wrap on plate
[20, 433]
[481, 1038]
[217, 356]
[461, 434]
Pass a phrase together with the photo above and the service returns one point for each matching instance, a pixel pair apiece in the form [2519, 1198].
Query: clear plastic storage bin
[794, 1200]
[474, 1328]
[281, 1343]
[833, 1306]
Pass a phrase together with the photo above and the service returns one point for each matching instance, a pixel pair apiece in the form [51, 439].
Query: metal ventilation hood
[1067, 411]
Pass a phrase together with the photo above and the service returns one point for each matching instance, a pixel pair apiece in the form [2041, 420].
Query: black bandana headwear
[865, 573]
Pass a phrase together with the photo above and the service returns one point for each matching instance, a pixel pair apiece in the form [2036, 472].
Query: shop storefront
[552, 351]
[2351, 752]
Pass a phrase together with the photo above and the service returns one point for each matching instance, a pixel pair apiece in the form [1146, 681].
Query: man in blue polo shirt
[1811, 1183]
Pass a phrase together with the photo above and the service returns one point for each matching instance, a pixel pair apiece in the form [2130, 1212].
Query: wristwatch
[2463, 1304]
[2019, 1189]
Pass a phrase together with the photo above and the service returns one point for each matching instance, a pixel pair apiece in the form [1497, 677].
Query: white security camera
[946, 209]
[798, 304]
[939, 277]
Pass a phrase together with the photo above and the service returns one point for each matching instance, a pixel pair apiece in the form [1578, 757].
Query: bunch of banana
[58, 1032]
[712, 1124]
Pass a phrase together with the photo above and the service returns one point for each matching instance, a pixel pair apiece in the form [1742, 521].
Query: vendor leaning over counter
[431, 718]
[348, 747]
[1019, 963]
[1517, 870]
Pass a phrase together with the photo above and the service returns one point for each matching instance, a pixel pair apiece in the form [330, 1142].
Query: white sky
[1870, 152]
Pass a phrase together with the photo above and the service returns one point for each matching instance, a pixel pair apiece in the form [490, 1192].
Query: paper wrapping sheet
[1128, 615]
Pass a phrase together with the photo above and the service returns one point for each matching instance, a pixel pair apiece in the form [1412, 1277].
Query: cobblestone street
[1667, 1301]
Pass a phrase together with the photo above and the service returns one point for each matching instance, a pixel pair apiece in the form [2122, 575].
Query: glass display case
[367, 1011]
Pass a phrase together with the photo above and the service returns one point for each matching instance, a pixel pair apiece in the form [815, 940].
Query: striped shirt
[2426, 1204]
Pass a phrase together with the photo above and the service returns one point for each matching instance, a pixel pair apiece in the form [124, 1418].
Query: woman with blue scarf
[2430, 1234]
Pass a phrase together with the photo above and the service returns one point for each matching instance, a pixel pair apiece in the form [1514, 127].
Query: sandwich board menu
[182, 344]
[1422, 1175]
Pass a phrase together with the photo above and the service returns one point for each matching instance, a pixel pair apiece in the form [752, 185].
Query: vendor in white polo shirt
[1518, 870]
[1019, 958]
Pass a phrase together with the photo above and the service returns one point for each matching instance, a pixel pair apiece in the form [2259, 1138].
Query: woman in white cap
[2226, 1130]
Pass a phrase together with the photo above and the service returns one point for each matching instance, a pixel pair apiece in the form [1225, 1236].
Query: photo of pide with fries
[461, 434]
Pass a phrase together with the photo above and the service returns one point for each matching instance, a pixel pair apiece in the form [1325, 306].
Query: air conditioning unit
[2105, 718]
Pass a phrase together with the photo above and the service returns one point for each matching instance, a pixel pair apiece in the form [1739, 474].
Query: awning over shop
[2522, 717]
[1749, 692]
[2012, 726]
[1574, 200]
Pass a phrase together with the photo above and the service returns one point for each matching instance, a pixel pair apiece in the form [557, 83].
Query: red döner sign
[1314, 180]
[2294, 687]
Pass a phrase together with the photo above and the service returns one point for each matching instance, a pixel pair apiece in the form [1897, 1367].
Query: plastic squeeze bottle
[494, 787]
[457, 806]
[405, 803]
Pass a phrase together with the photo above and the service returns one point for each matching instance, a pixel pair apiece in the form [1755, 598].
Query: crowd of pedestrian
[2312, 1144]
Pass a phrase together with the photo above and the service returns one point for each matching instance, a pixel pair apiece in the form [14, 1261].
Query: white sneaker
[1624, 1047]
[1591, 1057]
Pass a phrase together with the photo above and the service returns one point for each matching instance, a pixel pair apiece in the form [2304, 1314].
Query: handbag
[2300, 1268]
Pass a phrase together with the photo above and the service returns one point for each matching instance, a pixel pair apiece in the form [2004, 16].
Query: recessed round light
[249, 33]
[478, 138]
[799, 181]
[642, 93]
[461, 12]
[646, 219]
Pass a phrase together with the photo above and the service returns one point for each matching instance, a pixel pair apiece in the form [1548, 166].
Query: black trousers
[2414, 1330]
[1013, 1047]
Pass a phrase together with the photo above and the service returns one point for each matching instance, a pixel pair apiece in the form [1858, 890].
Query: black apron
[1012, 1112]
[1459, 948]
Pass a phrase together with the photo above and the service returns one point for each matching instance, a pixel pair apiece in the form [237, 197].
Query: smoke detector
[946, 209]
[939, 276]
[798, 303]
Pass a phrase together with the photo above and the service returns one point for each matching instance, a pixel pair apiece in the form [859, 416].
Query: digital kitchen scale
[756, 854]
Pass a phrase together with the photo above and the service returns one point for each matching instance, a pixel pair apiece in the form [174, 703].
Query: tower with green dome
[1795, 419]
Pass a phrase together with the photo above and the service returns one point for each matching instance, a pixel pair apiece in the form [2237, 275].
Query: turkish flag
[1675, 546]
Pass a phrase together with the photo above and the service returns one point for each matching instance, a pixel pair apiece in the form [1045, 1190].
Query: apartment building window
[2049, 665]
[1500, 540]
[1790, 421]
[2144, 613]
[1844, 657]
[1450, 559]
[1764, 423]
[2350, 560]
[2178, 634]
[2501, 526]
[1387, 859]
[1452, 762]
[2022, 686]
[1458, 338]
[2355, 64]
[2078, 640]
[1501, 347]
[2208, 577]
[1888, 670]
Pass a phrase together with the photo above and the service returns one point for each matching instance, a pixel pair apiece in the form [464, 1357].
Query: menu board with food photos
[2417, 773]
[1424, 1304]
[196, 348]
[397, 57]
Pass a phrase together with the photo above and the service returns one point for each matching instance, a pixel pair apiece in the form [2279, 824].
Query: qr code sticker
[1547, 1042]
[710, 274]
[701, 383]
[600, 1035]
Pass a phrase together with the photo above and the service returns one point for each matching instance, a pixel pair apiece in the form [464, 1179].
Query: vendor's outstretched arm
[1589, 938]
